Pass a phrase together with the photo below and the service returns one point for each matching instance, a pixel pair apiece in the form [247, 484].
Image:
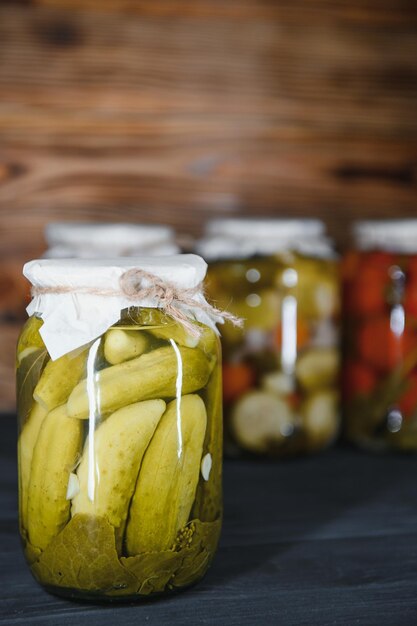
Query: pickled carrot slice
[237, 378]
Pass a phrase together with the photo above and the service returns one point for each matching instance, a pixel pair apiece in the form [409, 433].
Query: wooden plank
[14, 288]
[244, 9]
[9, 333]
[300, 179]
[202, 57]
[142, 117]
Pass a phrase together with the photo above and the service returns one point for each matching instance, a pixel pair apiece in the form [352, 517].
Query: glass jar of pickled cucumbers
[97, 239]
[120, 438]
[380, 369]
[280, 372]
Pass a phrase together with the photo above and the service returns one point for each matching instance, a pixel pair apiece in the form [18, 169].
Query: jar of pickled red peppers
[380, 368]
[99, 239]
[120, 427]
[281, 371]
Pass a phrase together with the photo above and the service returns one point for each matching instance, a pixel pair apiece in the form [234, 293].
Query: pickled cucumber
[161, 326]
[149, 376]
[121, 345]
[26, 445]
[168, 477]
[278, 383]
[318, 368]
[119, 445]
[320, 419]
[54, 457]
[59, 378]
[261, 421]
[209, 343]
[176, 332]
[30, 337]
[315, 286]
[208, 499]
[260, 310]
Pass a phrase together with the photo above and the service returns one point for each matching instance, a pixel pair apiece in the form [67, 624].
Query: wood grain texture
[181, 111]
[9, 333]
[392, 10]
[169, 111]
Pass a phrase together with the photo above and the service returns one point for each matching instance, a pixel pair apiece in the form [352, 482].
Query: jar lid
[96, 239]
[243, 238]
[398, 235]
[265, 227]
[79, 299]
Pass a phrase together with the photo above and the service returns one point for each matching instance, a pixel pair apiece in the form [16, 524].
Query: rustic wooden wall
[176, 111]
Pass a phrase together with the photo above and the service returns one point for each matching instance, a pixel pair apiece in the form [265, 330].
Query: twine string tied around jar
[136, 284]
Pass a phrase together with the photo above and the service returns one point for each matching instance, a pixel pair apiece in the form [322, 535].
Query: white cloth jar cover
[398, 236]
[96, 239]
[79, 311]
[243, 238]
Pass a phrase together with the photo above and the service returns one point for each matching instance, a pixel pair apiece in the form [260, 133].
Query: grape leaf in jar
[182, 565]
[30, 365]
[83, 556]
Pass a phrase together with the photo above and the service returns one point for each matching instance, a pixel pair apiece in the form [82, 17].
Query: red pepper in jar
[358, 378]
[368, 291]
[380, 375]
[380, 347]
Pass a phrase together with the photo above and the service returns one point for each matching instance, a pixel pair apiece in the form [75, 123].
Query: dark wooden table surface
[318, 541]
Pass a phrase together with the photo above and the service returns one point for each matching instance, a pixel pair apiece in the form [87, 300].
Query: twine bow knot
[137, 284]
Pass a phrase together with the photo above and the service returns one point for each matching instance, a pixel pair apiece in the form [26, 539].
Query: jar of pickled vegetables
[280, 372]
[98, 239]
[120, 427]
[380, 369]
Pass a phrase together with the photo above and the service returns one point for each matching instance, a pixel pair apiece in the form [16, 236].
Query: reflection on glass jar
[120, 458]
[380, 370]
[280, 372]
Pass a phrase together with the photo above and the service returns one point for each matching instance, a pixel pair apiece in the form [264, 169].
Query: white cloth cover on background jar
[96, 239]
